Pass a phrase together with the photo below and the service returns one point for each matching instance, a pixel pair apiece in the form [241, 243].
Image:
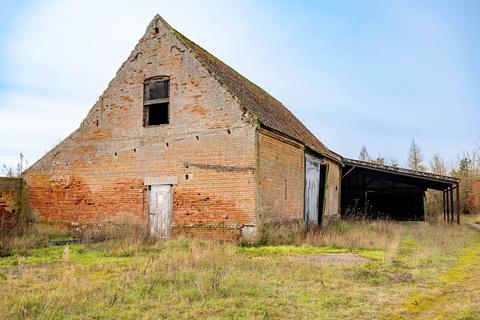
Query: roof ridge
[270, 112]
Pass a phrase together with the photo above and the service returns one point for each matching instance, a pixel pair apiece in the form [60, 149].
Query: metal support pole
[458, 204]
[451, 206]
[444, 207]
[447, 205]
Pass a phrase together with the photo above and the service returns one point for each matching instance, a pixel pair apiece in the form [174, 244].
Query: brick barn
[183, 144]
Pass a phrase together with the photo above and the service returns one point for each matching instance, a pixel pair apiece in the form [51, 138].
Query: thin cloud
[375, 74]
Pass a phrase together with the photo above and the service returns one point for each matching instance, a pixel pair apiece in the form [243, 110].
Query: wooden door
[312, 191]
[160, 210]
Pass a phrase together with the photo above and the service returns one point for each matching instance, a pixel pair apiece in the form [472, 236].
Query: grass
[418, 270]
[306, 249]
[19, 239]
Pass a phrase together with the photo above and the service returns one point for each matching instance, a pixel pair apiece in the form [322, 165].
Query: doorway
[160, 200]
[312, 191]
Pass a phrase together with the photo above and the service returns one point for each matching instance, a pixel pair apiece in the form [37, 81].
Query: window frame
[148, 103]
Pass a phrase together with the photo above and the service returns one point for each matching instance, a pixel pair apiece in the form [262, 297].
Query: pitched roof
[271, 113]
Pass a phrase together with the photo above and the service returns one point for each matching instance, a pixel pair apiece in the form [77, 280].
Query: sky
[374, 73]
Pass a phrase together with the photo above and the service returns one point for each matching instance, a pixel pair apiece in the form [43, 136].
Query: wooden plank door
[312, 191]
[160, 210]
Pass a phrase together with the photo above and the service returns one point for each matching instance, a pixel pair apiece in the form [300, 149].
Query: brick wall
[280, 179]
[228, 172]
[10, 200]
[97, 174]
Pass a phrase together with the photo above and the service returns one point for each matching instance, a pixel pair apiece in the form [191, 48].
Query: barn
[182, 144]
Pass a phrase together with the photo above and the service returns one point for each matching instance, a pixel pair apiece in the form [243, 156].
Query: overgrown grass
[20, 239]
[132, 277]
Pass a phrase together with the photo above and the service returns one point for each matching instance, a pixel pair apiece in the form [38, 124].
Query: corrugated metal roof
[401, 171]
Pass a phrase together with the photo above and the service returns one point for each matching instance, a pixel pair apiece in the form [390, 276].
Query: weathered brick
[239, 174]
[10, 201]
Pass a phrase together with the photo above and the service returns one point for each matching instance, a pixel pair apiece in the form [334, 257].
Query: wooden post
[458, 203]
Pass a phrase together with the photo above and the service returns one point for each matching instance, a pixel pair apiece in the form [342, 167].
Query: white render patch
[152, 181]
[249, 234]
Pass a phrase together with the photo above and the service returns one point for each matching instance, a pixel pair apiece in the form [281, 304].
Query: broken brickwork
[10, 201]
[230, 173]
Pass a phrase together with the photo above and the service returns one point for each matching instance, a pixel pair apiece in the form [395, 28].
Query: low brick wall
[10, 200]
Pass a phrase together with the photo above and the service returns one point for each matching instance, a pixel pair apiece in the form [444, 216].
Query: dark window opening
[156, 114]
[156, 89]
[156, 101]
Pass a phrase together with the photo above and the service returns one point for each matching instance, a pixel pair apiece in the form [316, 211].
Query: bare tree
[415, 157]
[15, 171]
[394, 162]
[364, 156]
[437, 165]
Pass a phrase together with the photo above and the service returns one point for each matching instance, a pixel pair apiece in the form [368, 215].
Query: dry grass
[367, 235]
[360, 234]
[132, 277]
[21, 238]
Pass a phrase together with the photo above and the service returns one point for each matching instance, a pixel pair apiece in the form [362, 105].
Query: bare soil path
[333, 258]
[454, 295]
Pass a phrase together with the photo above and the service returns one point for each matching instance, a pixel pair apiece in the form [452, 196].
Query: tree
[394, 163]
[437, 165]
[464, 165]
[415, 157]
[364, 156]
[379, 159]
[11, 171]
[469, 162]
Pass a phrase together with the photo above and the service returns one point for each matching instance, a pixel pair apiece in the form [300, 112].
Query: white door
[160, 210]
[312, 191]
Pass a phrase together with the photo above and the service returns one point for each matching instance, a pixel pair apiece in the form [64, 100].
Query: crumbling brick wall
[10, 201]
[97, 173]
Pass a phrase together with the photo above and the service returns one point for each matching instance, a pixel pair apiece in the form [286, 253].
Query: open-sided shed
[380, 191]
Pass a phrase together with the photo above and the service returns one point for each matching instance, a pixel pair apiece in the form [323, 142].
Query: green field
[416, 271]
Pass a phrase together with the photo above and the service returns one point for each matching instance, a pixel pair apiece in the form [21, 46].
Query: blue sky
[374, 73]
